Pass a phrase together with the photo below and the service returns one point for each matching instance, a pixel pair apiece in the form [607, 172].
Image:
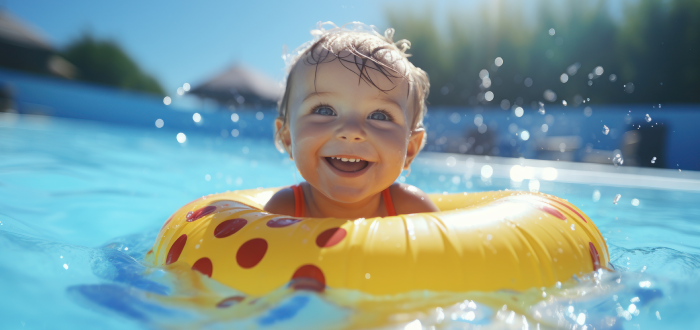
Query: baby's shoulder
[409, 199]
[282, 202]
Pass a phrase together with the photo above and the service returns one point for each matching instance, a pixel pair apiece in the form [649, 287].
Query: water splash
[534, 185]
[606, 130]
[541, 110]
[618, 160]
[653, 160]
[647, 118]
[617, 198]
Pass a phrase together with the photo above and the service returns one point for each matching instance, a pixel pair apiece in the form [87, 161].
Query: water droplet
[167, 100]
[541, 111]
[483, 73]
[549, 95]
[606, 130]
[618, 160]
[558, 285]
[653, 160]
[573, 227]
[635, 202]
[519, 112]
[617, 198]
[524, 135]
[563, 102]
[647, 118]
[181, 137]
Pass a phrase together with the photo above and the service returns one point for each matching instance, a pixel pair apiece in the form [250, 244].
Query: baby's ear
[283, 137]
[415, 142]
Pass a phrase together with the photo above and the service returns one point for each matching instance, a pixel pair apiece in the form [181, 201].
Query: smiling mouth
[347, 164]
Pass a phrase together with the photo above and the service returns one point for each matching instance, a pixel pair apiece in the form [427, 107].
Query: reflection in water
[111, 182]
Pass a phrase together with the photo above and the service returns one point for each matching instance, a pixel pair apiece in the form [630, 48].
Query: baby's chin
[345, 194]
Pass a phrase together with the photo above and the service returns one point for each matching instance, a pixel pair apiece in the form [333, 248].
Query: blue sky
[188, 41]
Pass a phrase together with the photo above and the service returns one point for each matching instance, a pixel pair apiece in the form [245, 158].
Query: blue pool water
[81, 202]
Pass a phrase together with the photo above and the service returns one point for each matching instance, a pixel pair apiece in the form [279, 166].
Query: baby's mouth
[347, 164]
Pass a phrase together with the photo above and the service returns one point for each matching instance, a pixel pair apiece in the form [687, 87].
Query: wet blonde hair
[355, 45]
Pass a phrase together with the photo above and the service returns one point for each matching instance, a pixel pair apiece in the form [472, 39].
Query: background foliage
[104, 62]
[655, 46]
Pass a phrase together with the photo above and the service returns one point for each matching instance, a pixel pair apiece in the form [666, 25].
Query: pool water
[81, 202]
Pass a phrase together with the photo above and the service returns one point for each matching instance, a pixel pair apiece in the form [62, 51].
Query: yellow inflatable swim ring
[478, 241]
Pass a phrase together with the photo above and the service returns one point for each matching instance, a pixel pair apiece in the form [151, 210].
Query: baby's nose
[352, 133]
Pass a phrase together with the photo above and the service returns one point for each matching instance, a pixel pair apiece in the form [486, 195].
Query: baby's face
[348, 139]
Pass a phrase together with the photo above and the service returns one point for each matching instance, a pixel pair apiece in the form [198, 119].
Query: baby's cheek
[394, 146]
[305, 151]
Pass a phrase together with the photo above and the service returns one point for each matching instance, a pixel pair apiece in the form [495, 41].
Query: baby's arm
[282, 202]
[409, 199]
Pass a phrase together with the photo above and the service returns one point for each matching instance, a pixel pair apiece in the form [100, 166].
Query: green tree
[655, 46]
[104, 62]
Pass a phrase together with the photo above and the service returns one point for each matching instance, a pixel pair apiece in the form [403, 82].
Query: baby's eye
[324, 111]
[379, 115]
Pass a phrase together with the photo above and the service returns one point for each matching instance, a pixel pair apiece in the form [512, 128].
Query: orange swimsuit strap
[299, 201]
[388, 203]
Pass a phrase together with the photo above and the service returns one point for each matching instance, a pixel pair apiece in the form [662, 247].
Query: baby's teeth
[344, 159]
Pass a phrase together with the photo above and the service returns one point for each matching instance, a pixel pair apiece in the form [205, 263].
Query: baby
[351, 118]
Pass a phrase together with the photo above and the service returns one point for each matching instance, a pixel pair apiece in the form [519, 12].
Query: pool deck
[569, 172]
